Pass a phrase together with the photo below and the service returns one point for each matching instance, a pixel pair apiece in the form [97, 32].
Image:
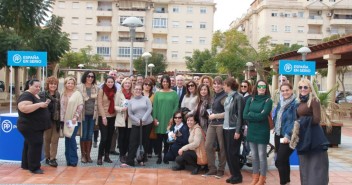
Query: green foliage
[84, 56]
[157, 59]
[323, 72]
[197, 61]
[332, 37]
[9, 40]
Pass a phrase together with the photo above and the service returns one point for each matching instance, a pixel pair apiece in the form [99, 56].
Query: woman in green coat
[256, 112]
[164, 106]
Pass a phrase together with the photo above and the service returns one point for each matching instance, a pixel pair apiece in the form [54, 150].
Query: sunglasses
[192, 85]
[304, 87]
[243, 86]
[148, 84]
[261, 86]
[177, 117]
[89, 76]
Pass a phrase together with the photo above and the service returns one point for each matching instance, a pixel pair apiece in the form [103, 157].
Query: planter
[334, 136]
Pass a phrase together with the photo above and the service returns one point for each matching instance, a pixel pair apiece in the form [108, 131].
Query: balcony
[159, 31]
[341, 21]
[159, 45]
[314, 35]
[104, 12]
[121, 28]
[315, 19]
[104, 28]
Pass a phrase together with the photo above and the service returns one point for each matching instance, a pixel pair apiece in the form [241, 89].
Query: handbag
[200, 151]
[140, 150]
[152, 134]
[270, 122]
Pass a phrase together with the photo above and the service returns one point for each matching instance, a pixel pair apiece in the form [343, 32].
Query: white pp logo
[17, 58]
[288, 67]
[6, 126]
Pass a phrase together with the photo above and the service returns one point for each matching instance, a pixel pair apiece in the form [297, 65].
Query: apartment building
[303, 22]
[173, 28]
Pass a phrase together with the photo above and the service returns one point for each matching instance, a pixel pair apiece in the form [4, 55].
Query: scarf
[55, 115]
[93, 92]
[283, 105]
[110, 93]
[128, 95]
[304, 98]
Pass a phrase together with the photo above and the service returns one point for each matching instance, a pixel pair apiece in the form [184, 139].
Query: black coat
[181, 140]
[182, 94]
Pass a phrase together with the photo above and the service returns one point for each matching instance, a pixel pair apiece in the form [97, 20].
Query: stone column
[274, 83]
[296, 80]
[331, 78]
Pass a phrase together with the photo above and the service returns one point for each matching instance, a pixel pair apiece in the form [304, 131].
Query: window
[75, 5]
[89, 21]
[88, 37]
[189, 24]
[300, 14]
[301, 43]
[287, 29]
[103, 51]
[274, 14]
[273, 43]
[287, 15]
[202, 40]
[89, 6]
[74, 36]
[189, 9]
[104, 38]
[159, 23]
[300, 29]
[203, 10]
[175, 24]
[273, 28]
[174, 54]
[176, 9]
[188, 54]
[160, 40]
[287, 43]
[125, 52]
[189, 40]
[122, 18]
[202, 25]
[75, 20]
[174, 39]
[61, 4]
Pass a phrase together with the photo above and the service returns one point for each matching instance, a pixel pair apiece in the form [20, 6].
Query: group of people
[188, 123]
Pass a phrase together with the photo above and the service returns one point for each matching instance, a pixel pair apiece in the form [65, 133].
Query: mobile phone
[48, 101]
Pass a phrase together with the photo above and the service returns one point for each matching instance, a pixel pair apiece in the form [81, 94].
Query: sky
[228, 11]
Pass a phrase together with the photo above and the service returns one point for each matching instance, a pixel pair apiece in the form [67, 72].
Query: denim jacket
[287, 119]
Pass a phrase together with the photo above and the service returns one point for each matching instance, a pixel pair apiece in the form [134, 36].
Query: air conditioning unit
[319, 12]
[294, 15]
[328, 29]
[329, 14]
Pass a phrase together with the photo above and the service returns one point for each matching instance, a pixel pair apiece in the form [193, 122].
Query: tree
[157, 59]
[198, 59]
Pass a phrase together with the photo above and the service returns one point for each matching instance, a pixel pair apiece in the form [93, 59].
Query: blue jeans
[87, 128]
[71, 147]
[259, 158]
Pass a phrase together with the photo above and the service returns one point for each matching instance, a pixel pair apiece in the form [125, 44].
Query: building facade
[173, 28]
[302, 22]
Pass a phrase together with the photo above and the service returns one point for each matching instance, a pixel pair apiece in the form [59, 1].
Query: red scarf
[128, 95]
[110, 93]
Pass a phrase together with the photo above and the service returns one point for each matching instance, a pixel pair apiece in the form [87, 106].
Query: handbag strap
[201, 131]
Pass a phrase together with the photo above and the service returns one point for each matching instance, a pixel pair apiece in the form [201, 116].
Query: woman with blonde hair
[71, 105]
[52, 135]
[122, 122]
[314, 160]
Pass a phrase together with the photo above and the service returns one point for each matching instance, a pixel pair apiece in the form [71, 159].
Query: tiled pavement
[153, 174]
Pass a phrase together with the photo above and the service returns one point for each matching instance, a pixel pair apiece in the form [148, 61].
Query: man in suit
[180, 88]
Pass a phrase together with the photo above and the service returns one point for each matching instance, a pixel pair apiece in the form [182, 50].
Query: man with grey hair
[180, 88]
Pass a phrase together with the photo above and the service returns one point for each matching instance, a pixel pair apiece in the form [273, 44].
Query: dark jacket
[311, 137]
[236, 112]
[181, 140]
[288, 118]
[218, 107]
[182, 94]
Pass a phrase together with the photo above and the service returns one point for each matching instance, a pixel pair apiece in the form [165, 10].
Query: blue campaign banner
[296, 67]
[27, 58]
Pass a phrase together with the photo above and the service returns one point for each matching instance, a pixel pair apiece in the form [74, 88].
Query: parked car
[2, 86]
[340, 98]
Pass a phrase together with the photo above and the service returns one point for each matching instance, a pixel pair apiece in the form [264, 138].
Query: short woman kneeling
[187, 154]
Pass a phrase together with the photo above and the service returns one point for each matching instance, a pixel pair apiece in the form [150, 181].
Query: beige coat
[120, 115]
[103, 105]
[195, 138]
[81, 88]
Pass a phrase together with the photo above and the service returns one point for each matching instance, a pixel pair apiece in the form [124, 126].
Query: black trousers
[32, 147]
[188, 157]
[162, 138]
[282, 162]
[124, 139]
[134, 141]
[232, 152]
[106, 135]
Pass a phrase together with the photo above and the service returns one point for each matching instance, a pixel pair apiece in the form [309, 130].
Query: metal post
[146, 67]
[132, 35]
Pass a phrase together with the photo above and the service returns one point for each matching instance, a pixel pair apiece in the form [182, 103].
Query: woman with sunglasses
[313, 162]
[190, 99]
[89, 90]
[106, 118]
[177, 136]
[204, 104]
[164, 106]
[246, 89]
[284, 119]
[256, 112]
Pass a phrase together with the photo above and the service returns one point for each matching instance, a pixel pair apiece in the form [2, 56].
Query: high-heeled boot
[100, 160]
[83, 151]
[88, 150]
[107, 158]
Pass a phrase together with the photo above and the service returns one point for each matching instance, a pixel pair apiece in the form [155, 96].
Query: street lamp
[81, 66]
[132, 23]
[146, 56]
[151, 68]
[249, 65]
[304, 51]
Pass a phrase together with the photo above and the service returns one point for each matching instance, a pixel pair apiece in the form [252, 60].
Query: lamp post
[132, 23]
[303, 51]
[146, 56]
[249, 65]
[151, 68]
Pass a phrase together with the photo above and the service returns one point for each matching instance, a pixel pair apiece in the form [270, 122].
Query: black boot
[196, 170]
